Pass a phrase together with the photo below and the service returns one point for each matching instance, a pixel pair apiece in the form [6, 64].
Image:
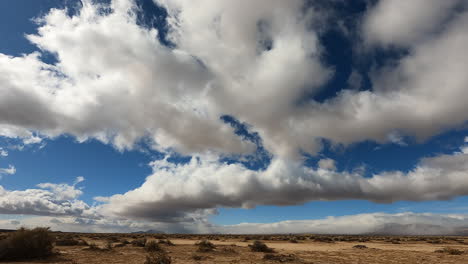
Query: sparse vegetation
[259, 246]
[360, 246]
[279, 257]
[205, 246]
[27, 244]
[108, 245]
[160, 257]
[152, 246]
[232, 250]
[119, 245]
[197, 257]
[166, 242]
[293, 240]
[67, 242]
[139, 242]
[92, 246]
[450, 251]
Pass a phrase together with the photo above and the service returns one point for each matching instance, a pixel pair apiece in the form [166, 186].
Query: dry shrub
[259, 246]
[360, 246]
[139, 242]
[108, 245]
[67, 242]
[166, 242]
[160, 257]
[450, 251]
[324, 239]
[27, 244]
[229, 250]
[279, 257]
[82, 242]
[113, 239]
[205, 246]
[92, 246]
[152, 246]
[119, 245]
[197, 257]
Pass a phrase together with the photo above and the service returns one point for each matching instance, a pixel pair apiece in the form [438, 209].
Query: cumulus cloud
[126, 86]
[256, 61]
[183, 192]
[48, 199]
[406, 23]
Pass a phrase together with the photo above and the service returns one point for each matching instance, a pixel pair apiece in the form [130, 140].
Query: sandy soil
[228, 250]
[317, 246]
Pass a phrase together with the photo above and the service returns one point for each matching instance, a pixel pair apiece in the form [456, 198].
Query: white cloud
[402, 224]
[401, 22]
[78, 180]
[3, 153]
[10, 170]
[49, 199]
[252, 60]
[127, 86]
[327, 164]
[184, 192]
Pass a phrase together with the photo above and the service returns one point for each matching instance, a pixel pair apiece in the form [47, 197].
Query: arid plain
[78, 248]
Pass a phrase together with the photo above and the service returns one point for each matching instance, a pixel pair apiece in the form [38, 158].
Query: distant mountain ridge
[151, 231]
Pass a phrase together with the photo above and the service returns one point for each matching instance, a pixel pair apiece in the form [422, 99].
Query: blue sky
[118, 116]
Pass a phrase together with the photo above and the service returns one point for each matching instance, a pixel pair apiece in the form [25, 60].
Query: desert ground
[78, 248]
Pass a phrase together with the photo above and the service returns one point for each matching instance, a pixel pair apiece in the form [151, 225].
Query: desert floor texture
[316, 249]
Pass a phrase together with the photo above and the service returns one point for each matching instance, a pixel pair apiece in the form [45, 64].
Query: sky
[219, 116]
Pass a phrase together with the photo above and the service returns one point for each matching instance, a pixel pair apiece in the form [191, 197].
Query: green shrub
[27, 244]
[259, 246]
